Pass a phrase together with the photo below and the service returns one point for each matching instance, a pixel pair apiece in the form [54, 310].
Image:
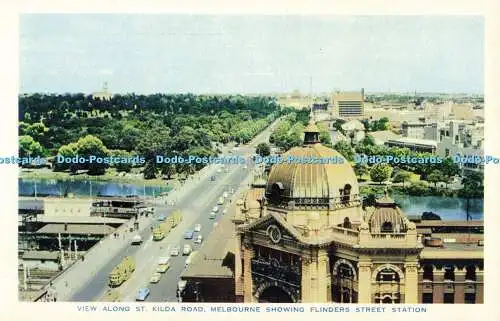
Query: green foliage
[401, 176]
[345, 150]
[29, 147]
[263, 149]
[380, 172]
[361, 169]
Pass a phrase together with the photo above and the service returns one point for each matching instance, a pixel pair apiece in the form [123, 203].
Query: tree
[368, 141]
[29, 147]
[361, 169]
[150, 170]
[122, 167]
[401, 176]
[435, 177]
[263, 149]
[380, 172]
[345, 150]
[67, 151]
[92, 146]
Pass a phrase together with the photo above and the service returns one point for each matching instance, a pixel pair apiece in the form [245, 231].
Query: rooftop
[76, 229]
[216, 258]
[41, 255]
[453, 251]
[384, 135]
[80, 219]
[416, 141]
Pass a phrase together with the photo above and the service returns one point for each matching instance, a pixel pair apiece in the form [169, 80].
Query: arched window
[345, 194]
[428, 272]
[470, 273]
[449, 273]
[386, 227]
[387, 275]
[276, 191]
[347, 223]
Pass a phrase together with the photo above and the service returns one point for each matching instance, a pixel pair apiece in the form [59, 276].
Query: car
[245, 167]
[175, 250]
[155, 278]
[187, 249]
[212, 178]
[198, 240]
[161, 218]
[220, 201]
[188, 234]
[225, 195]
[142, 294]
[197, 228]
[224, 211]
[215, 209]
[212, 215]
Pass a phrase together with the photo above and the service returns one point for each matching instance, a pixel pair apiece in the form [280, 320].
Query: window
[449, 273]
[347, 223]
[345, 194]
[446, 152]
[470, 273]
[386, 227]
[449, 298]
[470, 298]
[427, 298]
[428, 275]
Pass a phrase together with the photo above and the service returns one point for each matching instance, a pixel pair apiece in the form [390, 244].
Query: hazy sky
[250, 54]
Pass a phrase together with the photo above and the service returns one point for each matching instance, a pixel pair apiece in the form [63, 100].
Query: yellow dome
[311, 183]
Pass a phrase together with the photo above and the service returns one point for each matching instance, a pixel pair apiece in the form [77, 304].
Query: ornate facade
[303, 236]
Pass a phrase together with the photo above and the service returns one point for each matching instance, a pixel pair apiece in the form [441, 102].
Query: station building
[303, 236]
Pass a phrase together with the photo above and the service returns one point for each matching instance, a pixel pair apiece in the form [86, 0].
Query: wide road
[199, 207]
[195, 207]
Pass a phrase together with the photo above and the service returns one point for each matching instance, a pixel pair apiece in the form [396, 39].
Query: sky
[141, 53]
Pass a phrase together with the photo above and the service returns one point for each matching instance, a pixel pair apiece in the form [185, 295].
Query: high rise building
[348, 104]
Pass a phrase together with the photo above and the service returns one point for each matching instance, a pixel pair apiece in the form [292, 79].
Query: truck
[161, 231]
[122, 272]
[175, 218]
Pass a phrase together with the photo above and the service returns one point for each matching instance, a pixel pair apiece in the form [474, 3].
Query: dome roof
[301, 180]
[387, 217]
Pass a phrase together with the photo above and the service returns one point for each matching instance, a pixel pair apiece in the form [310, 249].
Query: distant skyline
[140, 53]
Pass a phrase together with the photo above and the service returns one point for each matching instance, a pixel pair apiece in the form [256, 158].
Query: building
[59, 206]
[414, 144]
[43, 260]
[419, 130]
[459, 138]
[354, 130]
[104, 94]
[348, 104]
[303, 236]
[382, 136]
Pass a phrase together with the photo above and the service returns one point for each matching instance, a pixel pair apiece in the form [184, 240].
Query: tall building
[303, 236]
[348, 104]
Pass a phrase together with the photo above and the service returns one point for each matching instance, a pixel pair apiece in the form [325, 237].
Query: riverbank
[109, 176]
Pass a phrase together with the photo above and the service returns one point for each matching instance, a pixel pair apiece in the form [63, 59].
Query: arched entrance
[275, 294]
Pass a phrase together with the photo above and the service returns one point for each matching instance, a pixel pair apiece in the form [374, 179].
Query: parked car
[212, 215]
[197, 228]
[198, 240]
[161, 218]
[175, 250]
[142, 294]
[155, 278]
[215, 209]
[225, 195]
[224, 211]
[187, 249]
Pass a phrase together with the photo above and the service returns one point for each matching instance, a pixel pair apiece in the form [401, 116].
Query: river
[448, 208]
[85, 188]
